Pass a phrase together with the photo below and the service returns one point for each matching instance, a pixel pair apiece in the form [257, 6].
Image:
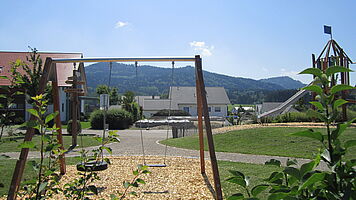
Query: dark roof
[158, 104]
[187, 95]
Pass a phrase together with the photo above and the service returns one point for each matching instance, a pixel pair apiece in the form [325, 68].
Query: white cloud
[121, 24]
[202, 48]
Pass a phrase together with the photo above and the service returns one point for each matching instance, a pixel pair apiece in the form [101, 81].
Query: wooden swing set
[50, 74]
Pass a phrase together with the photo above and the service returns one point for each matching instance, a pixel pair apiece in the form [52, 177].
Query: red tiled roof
[64, 70]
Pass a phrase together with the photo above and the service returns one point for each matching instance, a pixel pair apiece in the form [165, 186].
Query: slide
[279, 110]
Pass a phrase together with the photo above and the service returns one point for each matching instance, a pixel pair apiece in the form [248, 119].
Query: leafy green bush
[292, 117]
[116, 118]
[165, 112]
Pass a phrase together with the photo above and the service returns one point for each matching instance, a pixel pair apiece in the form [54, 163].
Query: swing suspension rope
[169, 112]
[105, 112]
[168, 118]
[95, 165]
[138, 101]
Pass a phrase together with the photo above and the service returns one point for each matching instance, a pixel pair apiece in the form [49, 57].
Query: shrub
[69, 127]
[293, 117]
[136, 111]
[165, 112]
[116, 118]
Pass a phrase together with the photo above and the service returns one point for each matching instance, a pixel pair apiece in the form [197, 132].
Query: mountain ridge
[288, 82]
[152, 80]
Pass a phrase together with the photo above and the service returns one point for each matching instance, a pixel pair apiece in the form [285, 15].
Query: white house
[184, 98]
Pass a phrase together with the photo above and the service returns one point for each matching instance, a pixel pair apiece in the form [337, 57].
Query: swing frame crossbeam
[49, 74]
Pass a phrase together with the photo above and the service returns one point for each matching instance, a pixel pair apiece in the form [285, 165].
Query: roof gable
[157, 104]
[64, 70]
[187, 95]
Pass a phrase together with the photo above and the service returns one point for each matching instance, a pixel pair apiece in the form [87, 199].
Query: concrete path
[130, 145]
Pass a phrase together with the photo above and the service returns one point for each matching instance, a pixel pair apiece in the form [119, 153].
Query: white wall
[63, 104]
[193, 109]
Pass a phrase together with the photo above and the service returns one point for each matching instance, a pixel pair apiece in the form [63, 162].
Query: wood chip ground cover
[181, 179]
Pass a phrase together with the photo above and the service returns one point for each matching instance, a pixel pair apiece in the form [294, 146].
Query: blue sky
[252, 39]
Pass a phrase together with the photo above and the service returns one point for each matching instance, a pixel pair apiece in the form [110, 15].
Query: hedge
[116, 118]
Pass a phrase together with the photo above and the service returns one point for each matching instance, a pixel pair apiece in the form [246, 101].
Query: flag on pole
[327, 29]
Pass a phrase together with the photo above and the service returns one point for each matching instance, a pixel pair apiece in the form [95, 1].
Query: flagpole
[327, 30]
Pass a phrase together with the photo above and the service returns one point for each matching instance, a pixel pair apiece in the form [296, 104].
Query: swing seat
[156, 165]
[92, 166]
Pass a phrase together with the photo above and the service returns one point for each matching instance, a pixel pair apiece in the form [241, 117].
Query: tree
[102, 89]
[114, 96]
[7, 101]
[30, 80]
[127, 100]
[129, 104]
[113, 93]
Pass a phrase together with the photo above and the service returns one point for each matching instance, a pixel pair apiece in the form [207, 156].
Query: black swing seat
[92, 166]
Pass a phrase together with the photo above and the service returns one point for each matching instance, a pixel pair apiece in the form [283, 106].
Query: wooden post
[343, 81]
[214, 164]
[200, 119]
[74, 99]
[21, 162]
[56, 107]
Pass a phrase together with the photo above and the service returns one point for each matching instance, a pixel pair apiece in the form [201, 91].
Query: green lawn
[13, 146]
[7, 167]
[256, 172]
[85, 125]
[264, 141]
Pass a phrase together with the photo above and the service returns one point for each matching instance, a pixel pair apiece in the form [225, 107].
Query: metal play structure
[332, 54]
[49, 74]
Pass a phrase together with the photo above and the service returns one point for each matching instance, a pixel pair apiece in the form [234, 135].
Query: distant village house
[184, 98]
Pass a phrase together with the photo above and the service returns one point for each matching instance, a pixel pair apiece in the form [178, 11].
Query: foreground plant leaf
[310, 134]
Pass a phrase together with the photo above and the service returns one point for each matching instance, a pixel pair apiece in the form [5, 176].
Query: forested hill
[152, 80]
[284, 81]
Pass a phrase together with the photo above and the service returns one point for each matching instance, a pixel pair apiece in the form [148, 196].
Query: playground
[184, 168]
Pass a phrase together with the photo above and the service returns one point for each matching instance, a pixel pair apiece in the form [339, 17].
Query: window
[1, 68]
[186, 109]
[62, 107]
[209, 108]
[217, 109]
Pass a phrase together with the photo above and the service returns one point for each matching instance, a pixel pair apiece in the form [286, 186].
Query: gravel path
[130, 145]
